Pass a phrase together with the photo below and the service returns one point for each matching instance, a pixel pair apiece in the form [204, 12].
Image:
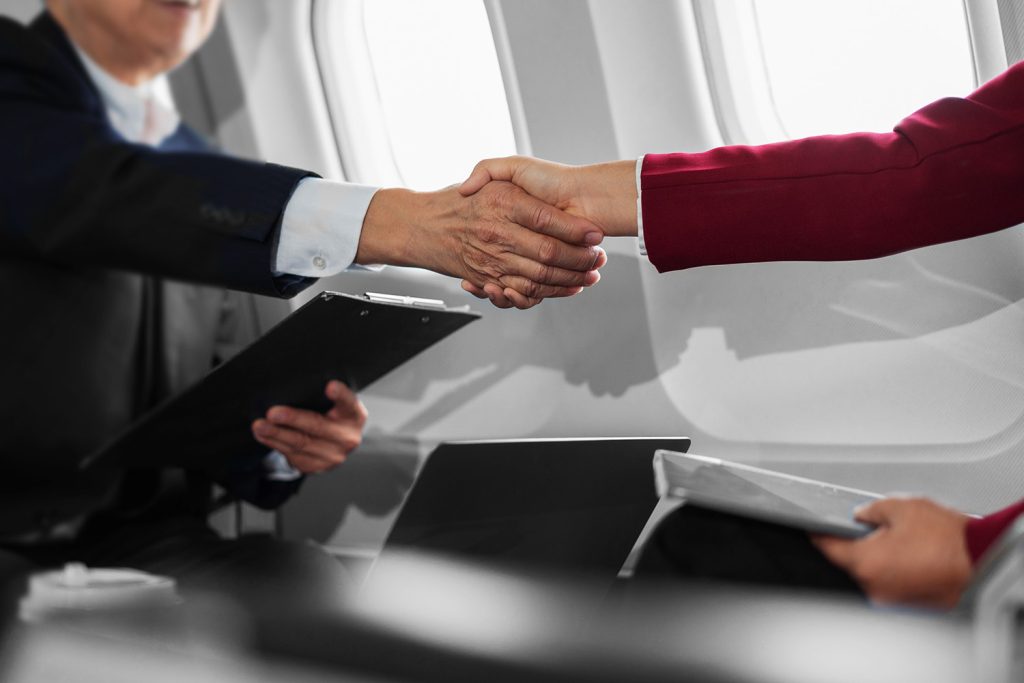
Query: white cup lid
[77, 588]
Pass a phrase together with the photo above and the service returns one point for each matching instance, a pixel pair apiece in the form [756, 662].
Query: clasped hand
[604, 195]
[499, 236]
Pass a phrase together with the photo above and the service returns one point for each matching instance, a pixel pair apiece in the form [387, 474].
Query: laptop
[561, 505]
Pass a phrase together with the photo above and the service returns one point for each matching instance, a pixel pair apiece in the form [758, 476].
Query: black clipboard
[355, 339]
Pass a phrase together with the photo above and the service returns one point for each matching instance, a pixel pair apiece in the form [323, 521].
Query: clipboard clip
[404, 300]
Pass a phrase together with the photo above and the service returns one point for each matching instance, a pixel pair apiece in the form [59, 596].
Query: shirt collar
[126, 104]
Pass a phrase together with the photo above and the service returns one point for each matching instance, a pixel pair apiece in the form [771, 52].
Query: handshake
[518, 231]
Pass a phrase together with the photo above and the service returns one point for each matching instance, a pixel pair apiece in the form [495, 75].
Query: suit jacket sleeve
[982, 533]
[952, 170]
[73, 192]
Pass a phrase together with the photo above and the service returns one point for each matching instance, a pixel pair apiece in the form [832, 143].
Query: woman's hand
[917, 555]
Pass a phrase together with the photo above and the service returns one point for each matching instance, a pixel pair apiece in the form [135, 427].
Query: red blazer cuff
[981, 533]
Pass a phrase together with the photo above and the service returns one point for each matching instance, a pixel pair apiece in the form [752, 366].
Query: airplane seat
[995, 604]
[21, 10]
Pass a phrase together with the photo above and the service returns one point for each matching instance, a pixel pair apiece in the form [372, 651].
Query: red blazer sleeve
[952, 170]
[982, 533]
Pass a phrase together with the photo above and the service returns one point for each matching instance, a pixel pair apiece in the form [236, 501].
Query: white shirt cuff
[321, 227]
[640, 208]
[277, 468]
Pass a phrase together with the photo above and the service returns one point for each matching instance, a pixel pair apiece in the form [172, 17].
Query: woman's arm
[950, 171]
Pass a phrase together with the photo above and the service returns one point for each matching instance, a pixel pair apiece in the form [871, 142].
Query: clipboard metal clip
[404, 300]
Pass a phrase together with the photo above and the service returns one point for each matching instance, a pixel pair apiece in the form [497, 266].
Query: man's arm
[72, 192]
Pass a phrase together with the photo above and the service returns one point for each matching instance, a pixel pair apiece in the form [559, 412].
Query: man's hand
[604, 194]
[917, 556]
[500, 236]
[310, 441]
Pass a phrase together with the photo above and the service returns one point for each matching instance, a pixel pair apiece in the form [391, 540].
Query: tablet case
[797, 502]
[355, 339]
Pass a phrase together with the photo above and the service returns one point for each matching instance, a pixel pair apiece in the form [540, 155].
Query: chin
[174, 49]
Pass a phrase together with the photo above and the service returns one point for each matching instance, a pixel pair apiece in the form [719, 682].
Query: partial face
[161, 33]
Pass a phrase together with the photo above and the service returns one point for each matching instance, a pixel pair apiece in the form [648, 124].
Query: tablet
[806, 504]
[355, 339]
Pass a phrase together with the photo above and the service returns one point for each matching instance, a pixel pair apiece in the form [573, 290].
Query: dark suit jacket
[90, 225]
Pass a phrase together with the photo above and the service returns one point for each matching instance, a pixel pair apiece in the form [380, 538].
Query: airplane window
[836, 66]
[436, 92]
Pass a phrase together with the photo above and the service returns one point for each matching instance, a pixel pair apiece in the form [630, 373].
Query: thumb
[878, 513]
[346, 404]
[486, 171]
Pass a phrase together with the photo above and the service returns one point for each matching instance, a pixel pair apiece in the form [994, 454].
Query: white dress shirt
[640, 208]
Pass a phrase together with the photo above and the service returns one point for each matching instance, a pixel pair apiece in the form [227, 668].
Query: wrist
[386, 233]
[412, 229]
[610, 194]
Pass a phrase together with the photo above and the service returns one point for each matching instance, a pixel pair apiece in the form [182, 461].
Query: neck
[111, 54]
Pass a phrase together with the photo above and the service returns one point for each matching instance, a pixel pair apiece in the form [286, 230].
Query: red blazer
[952, 170]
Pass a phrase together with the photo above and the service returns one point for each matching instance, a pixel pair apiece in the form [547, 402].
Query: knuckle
[315, 425]
[488, 266]
[548, 251]
[351, 441]
[527, 288]
[301, 441]
[585, 258]
[488, 233]
[545, 274]
[543, 218]
[497, 198]
[527, 304]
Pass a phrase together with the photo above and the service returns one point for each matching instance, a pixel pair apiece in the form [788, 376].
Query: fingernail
[333, 390]
[261, 428]
[277, 415]
[593, 238]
